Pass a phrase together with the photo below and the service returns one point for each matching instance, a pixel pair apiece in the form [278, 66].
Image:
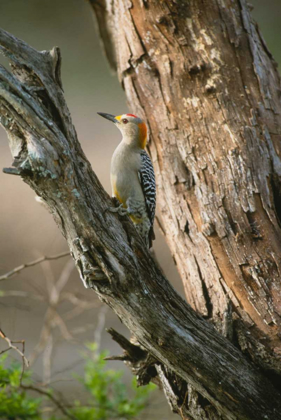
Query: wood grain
[50, 160]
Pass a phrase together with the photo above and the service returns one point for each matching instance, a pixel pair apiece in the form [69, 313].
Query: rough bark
[201, 75]
[48, 157]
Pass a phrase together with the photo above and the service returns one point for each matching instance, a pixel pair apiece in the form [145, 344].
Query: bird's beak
[108, 117]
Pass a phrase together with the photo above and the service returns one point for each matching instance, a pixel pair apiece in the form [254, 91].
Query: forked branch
[48, 157]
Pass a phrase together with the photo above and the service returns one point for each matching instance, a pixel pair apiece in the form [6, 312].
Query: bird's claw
[120, 210]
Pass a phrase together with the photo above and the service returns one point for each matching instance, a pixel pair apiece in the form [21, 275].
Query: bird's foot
[120, 210]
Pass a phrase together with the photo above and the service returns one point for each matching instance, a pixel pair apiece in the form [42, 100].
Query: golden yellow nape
[142, 134]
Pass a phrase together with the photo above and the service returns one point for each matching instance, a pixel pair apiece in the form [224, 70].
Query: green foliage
[108, 392]
[14, 403]
[107, 395]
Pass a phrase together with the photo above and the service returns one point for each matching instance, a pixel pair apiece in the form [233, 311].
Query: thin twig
[32, 263]
[11, 346]
[47, 360]
[100, 325]
[58, 404]
[25, 362]
[20, 294]
[52, 317]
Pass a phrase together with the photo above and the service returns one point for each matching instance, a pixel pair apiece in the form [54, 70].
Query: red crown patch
[131, 115]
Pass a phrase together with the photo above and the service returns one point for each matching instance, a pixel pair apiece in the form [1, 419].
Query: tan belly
[116, 191]
[122, 198]
[125, 183]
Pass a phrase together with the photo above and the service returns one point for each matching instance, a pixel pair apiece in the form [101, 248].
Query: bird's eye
[125, 121]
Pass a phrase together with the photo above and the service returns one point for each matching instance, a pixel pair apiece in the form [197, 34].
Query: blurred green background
[27, 230]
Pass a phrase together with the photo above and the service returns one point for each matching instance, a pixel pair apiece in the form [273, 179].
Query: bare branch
[21, 294]
[13, 347]
[11, 344]
[47, 360]
[53, 319]
[100, 325]
[51, 397]
[49, 157]
[31, 264]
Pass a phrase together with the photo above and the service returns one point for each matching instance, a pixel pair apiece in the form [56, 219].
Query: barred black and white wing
[147, 180]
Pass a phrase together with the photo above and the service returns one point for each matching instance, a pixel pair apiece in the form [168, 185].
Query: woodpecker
[132, 175]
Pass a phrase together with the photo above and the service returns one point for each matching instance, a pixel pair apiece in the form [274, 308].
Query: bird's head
[133, 128]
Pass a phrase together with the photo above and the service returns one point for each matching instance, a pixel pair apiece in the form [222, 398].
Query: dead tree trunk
[200, 73]
[180, 350]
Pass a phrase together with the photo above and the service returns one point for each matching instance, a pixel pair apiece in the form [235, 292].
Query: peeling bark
[201, 75]
[184, 349]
